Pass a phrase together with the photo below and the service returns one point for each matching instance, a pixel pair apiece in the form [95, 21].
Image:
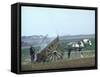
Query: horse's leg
[81, 53]
[69, 52]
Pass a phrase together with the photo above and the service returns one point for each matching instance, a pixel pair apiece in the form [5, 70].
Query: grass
[83, 62]
[25, 58]
[74, 61]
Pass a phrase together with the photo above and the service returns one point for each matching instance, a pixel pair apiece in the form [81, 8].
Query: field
[84, 62]
[74, 61]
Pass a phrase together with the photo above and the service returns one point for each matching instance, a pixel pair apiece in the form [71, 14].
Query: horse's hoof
[82, 56]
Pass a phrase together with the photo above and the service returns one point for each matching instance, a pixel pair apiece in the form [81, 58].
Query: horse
[78, 46]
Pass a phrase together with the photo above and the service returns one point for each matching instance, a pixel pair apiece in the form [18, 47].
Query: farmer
[32, 53]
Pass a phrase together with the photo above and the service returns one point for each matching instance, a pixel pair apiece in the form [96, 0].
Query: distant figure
[32, 53]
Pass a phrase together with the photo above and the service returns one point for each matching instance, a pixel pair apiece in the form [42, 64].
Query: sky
[55, 21]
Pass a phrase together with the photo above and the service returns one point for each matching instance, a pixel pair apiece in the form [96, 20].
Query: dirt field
[83, 62]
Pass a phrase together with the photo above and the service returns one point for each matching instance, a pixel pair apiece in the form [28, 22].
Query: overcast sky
[52, 21]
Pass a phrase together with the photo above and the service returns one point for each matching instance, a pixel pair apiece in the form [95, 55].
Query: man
[32, 53]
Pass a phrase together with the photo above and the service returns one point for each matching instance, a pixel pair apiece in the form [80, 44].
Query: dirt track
[83, 62]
